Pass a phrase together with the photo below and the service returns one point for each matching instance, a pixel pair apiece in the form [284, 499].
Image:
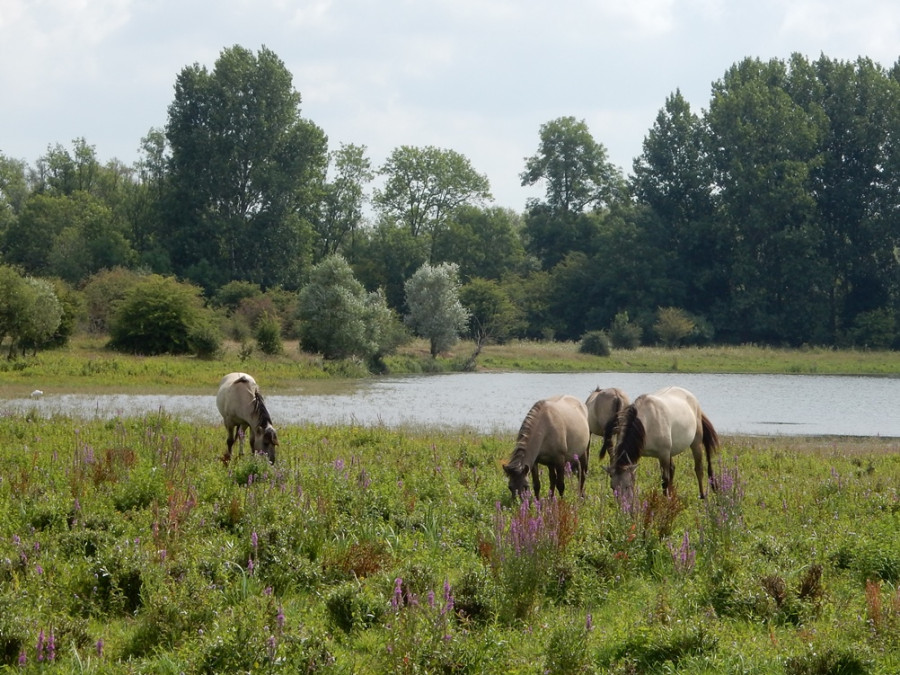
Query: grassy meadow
[126, 546]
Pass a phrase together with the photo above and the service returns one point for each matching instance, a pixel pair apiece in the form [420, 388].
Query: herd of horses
[556, 432]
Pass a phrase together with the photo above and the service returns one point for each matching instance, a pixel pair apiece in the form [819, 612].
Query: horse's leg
[667, 469]
[557, 479]
[230, 442]
[697, 452]
[536, 481]
[583, 466]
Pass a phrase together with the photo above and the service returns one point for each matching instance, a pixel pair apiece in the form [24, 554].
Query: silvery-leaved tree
[434, 309]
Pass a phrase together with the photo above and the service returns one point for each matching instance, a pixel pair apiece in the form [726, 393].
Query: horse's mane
[518, 454]
[259, 407]
[631, 436]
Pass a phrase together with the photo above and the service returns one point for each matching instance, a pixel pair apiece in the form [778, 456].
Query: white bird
[37, 393]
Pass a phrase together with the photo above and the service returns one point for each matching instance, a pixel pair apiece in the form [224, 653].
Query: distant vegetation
[769, 217]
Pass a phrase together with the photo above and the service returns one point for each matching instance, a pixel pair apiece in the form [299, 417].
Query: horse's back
[565, 420]
[604, 405]
[235, 397]
[671, 419]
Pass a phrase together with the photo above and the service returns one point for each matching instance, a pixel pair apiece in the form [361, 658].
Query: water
[497, 402]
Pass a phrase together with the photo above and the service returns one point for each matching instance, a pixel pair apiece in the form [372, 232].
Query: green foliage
[435, 311]
[268, 335]
[623, 333]
[104, 292]
[673, 326]
[595, 342]
[159, 315]
[339, 319]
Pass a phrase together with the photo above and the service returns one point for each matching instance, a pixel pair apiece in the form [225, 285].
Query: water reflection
[497, 402]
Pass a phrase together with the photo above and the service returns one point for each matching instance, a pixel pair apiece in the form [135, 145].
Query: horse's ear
[508, 470]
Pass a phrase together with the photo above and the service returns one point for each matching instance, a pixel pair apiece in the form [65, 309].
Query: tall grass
[126, 546]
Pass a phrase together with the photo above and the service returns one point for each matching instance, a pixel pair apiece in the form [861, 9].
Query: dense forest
[772, 216]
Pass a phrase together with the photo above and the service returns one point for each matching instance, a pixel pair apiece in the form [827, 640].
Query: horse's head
[517, 475]
[621, 480]
[264, 440]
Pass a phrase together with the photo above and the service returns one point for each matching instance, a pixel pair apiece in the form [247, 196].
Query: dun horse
[555, 433]
[662, 425]
[604, 406]
[242, 407]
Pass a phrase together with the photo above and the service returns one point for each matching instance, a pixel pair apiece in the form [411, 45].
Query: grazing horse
[662, 425]
[555, 433]
[604, 406]
[242, 407]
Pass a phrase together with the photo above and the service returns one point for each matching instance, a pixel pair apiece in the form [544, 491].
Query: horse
[662, 425]
[555, 432]
[242, 407]
[604, 406]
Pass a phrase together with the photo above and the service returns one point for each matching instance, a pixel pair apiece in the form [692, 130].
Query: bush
[673, 326]
[159, 315]
[268, 335]
[595, 342]
[624, 334]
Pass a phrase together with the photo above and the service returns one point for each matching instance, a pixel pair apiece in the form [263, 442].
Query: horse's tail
[631, 436]
[710, 444]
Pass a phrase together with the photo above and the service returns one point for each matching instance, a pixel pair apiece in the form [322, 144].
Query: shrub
[595, 342]
[624, 334]
[157, 316]
[268, 335]
[673, 326]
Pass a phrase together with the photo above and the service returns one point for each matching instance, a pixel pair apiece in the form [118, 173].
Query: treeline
[771, 216]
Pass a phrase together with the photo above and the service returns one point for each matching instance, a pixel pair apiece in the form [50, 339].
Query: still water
[497, 402]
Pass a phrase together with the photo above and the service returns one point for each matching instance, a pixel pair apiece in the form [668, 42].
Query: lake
[497, 402]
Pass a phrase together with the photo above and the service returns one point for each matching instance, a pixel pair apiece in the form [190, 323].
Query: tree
[30, 312]
[492, 315]
[42, 316]
[765, 147]
[485, 242]
[342, 207]
[423, 187]
[435, 311]
[69, 236]
[160, 315]
[673, 176]
[338, 318]
[13, 190]
[573, 166]
[246, 172]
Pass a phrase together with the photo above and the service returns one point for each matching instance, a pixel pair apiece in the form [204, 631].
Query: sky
[478, 77]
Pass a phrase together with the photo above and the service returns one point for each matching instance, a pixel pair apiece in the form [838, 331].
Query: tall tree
[423, 187]
[579, 182]
[573, 166]
[673, 176]
[246, 171]
[856, 191]
[765, 147]
[341, 214]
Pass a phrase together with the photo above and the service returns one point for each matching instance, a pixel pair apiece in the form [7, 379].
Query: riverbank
[86, 365]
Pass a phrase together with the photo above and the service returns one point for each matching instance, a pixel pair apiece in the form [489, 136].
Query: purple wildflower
[40, 646]
[589, 623]
[99, 647]
[280, 618]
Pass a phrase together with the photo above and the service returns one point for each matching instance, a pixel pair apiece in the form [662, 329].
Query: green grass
[133, 546]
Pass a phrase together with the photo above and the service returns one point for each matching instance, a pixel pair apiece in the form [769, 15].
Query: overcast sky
[476, 76]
